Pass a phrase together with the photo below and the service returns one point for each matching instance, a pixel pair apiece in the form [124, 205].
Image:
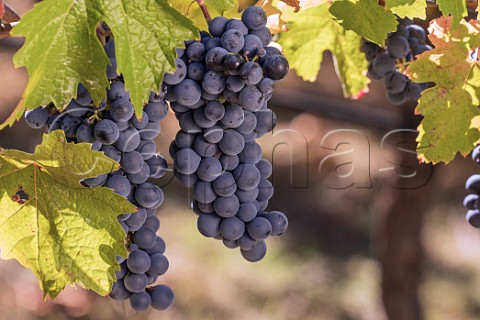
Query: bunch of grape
[219, 93]
[472, 201]
[386, 63]
[113, 127]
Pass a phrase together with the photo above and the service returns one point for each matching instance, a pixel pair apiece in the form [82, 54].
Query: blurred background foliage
[367, 252]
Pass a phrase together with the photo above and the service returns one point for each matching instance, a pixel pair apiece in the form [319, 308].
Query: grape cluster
[403, 45]
[113, 127]
[219, 93]
[472, 201]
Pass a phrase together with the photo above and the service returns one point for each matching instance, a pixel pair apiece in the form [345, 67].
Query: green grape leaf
[191, 9]
[456, 8]
[50, 223]
[366, 18]
[407, 8]
[314, 30]
[62, 50]
[450, 108]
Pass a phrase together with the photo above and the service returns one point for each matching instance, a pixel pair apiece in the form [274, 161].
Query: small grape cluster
[219, 93]
[387, 63]
[113, 127]
[472, 201]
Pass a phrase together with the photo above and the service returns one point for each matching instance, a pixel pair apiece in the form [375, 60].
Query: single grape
[208, 224]
[232, 142]
[187, 92]
[140, 177]
[254, 17]
[196, 51]
[119, 184]
[158, 166]
[85, 132]
[252, 153]
[179, 74]
[214, 82]
[146, 148]
[151, 131]
[232, 228]
[235, 24]
[132, 162]
[196, 71]
[471, 201]
[398, 47]
[154, 223]
[159, 265]
[128, 140]
[213, 134]
[233, 117]
[140, 301]
[251, 98]
[106, 132]
[148, 195]
[259, 228]
[246, 242]
[473, 217]
[204, 148]
[96, 182]
[145, 237]
[138, 261]
[217, 26]
[119, 292]
[251, 72]
[226, 206]
[136, 220]
[278, 221]
[247, 211]
[201, 120]
[252, 45]
[209, 169]
[158, 247]
[214, 59]
[162, 297]
[156, 110]
[276, 67]
[187, 161]
[413, 91]
[264, 34]
[256, 253]
[135, 282]
[383, 64]
[214, 110]
[232, 63]
[229, 162]
[204, 192]
[395, 82]
[83, 96]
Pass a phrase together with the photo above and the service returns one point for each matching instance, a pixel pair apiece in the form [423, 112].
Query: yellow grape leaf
[50, 223]
[450, 107]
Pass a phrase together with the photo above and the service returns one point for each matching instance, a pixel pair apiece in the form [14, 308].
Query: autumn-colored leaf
[450, 108]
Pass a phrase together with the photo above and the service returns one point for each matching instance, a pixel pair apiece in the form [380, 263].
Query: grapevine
[82, 208]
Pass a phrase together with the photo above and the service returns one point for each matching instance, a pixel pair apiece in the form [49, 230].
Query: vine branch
[205, 12]
[8, 19]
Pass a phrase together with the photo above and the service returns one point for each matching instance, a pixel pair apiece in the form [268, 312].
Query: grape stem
[205, 12]
[8, 19]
